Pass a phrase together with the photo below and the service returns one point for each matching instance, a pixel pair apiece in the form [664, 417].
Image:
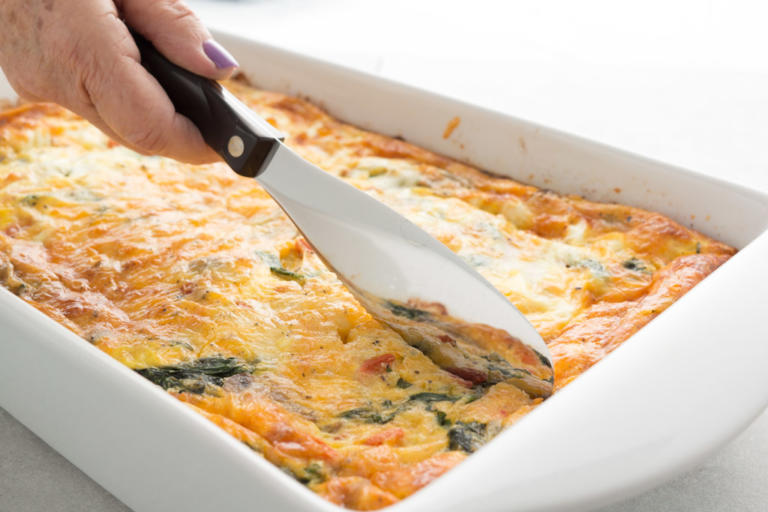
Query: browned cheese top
[194, 277]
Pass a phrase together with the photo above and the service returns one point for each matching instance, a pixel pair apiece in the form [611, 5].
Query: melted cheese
[195, 278]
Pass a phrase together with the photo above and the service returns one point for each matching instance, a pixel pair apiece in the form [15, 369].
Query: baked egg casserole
[193, 277]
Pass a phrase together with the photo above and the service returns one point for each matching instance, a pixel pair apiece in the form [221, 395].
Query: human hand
[79, 53]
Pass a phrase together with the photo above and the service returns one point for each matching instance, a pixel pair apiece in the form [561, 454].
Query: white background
[684, 82]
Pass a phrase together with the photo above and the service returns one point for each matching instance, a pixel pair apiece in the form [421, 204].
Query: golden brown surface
[195, 278]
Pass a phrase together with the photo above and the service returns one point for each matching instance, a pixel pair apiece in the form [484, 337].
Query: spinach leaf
[410, 313]
[276, 267]
[287, 274]
[427, 397]
[195, 376]
[467, 436]
[369, 415]
[442, 419]
[313, 473]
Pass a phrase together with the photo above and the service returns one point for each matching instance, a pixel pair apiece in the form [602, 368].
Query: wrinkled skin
[79, 53]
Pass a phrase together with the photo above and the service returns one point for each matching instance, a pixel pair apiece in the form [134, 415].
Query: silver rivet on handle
[235, 146]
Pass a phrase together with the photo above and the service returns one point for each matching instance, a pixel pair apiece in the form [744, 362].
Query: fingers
[80, 54]
[123, 99]
[136, 109]
[178, 34]
[89, 112]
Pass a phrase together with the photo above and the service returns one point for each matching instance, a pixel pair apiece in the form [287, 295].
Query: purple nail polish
[218, 55]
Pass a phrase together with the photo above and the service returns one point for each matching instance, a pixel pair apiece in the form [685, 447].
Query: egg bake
[194, 277]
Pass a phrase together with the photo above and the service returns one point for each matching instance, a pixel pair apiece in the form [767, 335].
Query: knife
[403, 276]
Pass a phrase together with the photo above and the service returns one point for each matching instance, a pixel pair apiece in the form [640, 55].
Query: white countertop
[686, 83]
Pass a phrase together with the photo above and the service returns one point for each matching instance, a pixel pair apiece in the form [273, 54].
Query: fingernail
[218, 55]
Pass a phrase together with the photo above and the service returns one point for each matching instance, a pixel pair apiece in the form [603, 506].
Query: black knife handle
[243, 139]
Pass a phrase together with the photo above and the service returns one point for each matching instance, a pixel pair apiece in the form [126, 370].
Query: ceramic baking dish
[678, 389]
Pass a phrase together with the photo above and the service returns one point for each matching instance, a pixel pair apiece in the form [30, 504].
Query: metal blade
[409, 280]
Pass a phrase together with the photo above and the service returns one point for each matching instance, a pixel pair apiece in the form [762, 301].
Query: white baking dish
[682, 386]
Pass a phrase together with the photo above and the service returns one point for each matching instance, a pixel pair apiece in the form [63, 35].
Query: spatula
[404, 277]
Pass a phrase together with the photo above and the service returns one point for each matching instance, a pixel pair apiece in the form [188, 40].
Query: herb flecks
[635, 265]
[30, 200]
[595, 267]
[403, 384]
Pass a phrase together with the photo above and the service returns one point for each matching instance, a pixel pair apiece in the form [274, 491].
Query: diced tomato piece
[302, 242]
[389, 436]
[377, 364]
[469, 374]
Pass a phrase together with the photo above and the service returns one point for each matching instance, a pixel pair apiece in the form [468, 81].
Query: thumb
[179, 35]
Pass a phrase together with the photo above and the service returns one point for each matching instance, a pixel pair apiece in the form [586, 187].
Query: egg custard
[193, 277]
